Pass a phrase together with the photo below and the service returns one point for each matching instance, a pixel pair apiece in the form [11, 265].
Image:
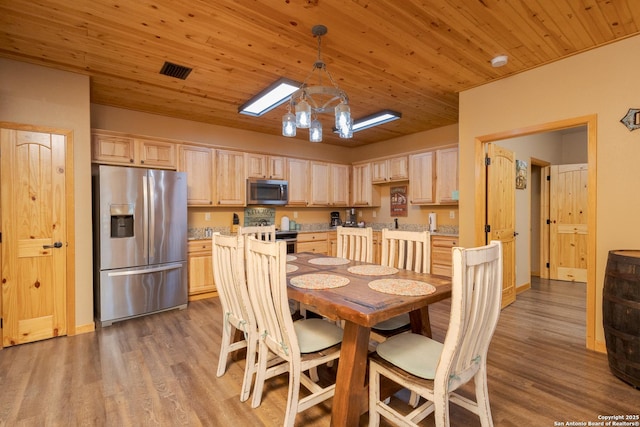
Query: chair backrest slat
[408, 250]
[355, 244]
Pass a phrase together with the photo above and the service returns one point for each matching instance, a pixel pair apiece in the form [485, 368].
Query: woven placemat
[319, 281]
[291, 268]
[372, 270]
[402, 287]
[329, 261]
[291, 258]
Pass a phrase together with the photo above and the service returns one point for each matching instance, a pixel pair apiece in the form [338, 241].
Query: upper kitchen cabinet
[339, 185]
[265, 167]
[390, 170]
[298, 176]
[421, 178]
[319, 183]
[329, 184]
[198, 163]
[363, 193]
[231, 181]
[447, 175]
[121, 149]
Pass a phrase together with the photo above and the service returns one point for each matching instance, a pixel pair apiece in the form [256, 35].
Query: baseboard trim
[522, 288]
[83, 329]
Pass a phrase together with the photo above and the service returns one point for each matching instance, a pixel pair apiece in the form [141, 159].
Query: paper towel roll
[432, 222]
[284, 223]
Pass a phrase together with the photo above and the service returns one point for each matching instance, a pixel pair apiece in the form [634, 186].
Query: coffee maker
[351, 218]
[335, 219]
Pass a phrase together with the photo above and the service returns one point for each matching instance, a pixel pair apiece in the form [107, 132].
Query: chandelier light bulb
[315, 131]
[303, 114]
[343, 115]
[289, 125]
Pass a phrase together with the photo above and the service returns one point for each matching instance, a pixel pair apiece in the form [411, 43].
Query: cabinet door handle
[56, 245]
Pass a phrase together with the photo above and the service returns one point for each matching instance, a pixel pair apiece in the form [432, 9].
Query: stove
[256, 217]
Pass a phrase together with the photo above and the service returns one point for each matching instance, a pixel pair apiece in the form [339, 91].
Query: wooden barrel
[621, 314]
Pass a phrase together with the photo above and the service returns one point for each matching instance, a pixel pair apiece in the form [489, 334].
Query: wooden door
[298, 175]
[568, 231]
[421, 178]
[545, 220]
[231, 182]
[501, 213]
[198, 163]
[339, 185]
[34, 255]
[319, 184]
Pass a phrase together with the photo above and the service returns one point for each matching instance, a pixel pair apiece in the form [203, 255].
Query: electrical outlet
[295, 214]
[452, 214]
[374, 214]
[360, 214]
[207, 216]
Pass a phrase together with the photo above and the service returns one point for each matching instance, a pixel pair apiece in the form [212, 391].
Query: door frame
[590, 121]
[70, 214]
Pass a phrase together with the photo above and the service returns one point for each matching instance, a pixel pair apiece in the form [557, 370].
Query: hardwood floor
[160, 370]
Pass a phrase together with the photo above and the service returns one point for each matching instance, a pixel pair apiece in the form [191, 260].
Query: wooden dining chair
[406, 250]
[303, 345]
[355, 243]
[237, 313]
[266, 232]
[436, 370]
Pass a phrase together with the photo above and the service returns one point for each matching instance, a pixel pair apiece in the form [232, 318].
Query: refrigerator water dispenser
[121, 221]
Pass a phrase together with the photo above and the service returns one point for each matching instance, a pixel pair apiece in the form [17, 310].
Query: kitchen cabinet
[421, 178]
[298, 176]
[263, 166]
[339, 185]
[377, 247]
[317, 243]
[121, 149]
[390, 170]
[328, 184]
[446, 175]
[231, 184]
[200, 270]
[363, 193]
[198, 163]
[319, 183]
[441, 258]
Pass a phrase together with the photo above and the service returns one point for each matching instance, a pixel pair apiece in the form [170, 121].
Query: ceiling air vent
[175, 70]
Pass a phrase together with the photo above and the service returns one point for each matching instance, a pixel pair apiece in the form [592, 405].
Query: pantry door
[34, 235]
[568, 234]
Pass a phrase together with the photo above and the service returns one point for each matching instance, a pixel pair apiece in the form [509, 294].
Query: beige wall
[600, 82]
[45, 97]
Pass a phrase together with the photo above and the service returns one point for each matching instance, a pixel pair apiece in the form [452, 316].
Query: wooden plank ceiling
[413, 56]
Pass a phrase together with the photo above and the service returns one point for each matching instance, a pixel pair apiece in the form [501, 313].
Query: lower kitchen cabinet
[317, 243]
[441, 258]
[200, 271]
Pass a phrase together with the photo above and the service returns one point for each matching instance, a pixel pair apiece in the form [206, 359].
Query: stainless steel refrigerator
[140, 238]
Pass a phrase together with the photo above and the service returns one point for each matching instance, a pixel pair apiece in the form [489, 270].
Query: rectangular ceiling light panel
[376, 119]
[273, 96]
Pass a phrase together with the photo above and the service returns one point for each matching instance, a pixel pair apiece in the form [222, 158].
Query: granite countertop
[204, 233]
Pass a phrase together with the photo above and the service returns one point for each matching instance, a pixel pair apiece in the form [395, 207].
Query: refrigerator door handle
[152, 219]
[145, 218]
[165, 267]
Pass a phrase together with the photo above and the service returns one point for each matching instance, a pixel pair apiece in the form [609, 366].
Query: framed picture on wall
[521, 174]
[398, 204]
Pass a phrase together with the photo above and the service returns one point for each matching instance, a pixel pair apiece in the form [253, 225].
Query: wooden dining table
[360, 307]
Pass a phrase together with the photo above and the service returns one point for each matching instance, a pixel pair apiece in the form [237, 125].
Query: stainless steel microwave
[267, 192]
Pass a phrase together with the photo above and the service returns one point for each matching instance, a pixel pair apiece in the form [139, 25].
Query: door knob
[56, 245]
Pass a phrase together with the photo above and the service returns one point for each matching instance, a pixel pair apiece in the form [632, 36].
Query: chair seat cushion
[413, 353]
[316, 334]
[393, 323]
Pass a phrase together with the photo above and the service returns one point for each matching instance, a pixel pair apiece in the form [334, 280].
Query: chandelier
[310, 101]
